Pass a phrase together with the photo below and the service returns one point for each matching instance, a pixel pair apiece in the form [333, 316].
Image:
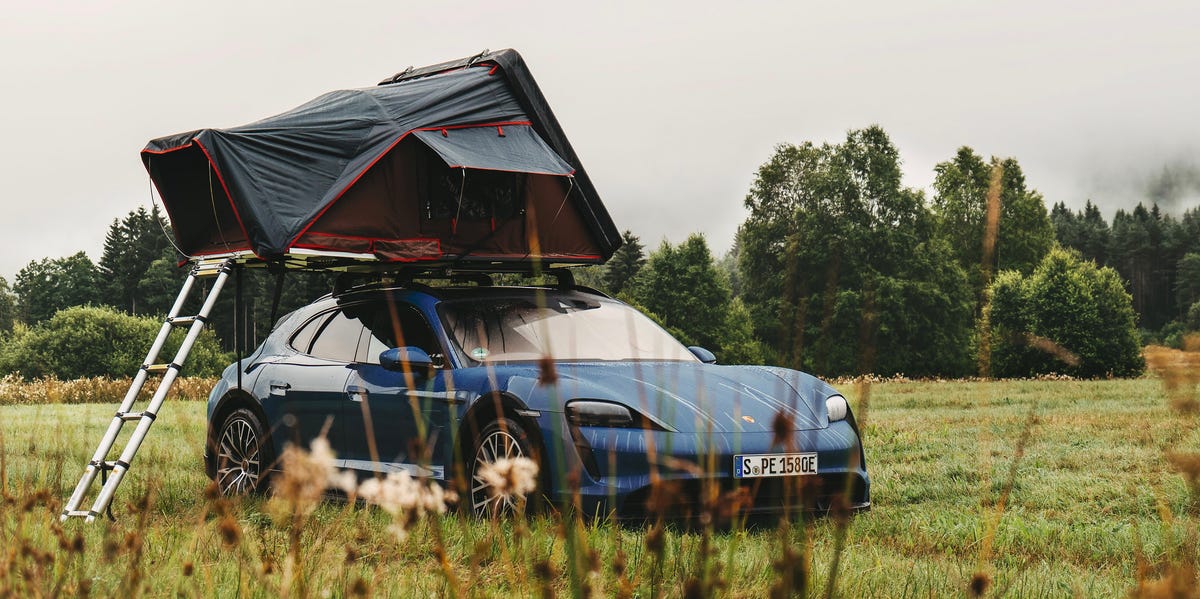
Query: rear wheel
[502, 439]
[241, 454]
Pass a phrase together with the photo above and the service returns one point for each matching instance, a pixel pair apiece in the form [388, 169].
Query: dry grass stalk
[991, 233]
[1179, 371]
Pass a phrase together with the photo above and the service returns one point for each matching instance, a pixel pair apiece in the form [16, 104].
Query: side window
[337, 338]
[302, 340]
[407, 328]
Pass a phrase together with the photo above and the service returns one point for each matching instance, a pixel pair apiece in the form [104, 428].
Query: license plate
[774, 464]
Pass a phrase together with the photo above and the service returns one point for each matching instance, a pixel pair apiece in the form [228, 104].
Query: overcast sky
[670, 106]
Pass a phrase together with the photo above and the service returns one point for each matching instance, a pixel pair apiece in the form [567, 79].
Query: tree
[49, 285]
[1025, 233]
[160, 283]
[1145, 247]
[1069, 316]
[681, 285]
[8, 308]
[130, 247]
[728, 265]
[1187, 280]
[624, 264]
[840, 267]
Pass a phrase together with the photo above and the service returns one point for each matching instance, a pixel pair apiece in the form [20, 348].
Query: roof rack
[357, 281]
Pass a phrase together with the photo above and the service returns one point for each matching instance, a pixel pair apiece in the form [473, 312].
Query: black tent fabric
[453, 162]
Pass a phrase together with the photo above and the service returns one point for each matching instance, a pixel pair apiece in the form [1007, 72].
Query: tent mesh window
[473, 195]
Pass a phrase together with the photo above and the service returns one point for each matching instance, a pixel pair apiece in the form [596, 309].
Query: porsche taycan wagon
[439, 382]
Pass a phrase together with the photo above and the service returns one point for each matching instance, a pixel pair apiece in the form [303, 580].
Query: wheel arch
[491, 406]
[233, 400]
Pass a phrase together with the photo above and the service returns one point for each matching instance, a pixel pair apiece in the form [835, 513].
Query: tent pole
[238, 315]
[277, 294]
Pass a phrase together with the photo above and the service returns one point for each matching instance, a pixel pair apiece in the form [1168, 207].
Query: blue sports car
[441, 381]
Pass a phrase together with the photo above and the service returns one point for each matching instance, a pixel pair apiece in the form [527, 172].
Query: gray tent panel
[515, 148]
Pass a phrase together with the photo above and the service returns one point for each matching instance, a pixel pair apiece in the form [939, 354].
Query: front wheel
[241, 454]
[494, 494]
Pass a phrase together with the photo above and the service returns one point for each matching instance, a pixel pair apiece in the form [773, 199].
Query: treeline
[838, 269]
[1157, 254]
[45, 332]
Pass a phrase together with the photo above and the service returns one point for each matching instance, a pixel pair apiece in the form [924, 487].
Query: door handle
[279, 387]
[356, 393]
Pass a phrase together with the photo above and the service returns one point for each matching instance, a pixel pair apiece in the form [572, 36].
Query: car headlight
[837, 408]
[606, 413]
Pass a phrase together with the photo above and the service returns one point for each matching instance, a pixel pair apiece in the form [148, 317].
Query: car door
[309, 387]
[408, 414]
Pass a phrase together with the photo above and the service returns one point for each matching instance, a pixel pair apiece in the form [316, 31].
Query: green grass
[1091, 491]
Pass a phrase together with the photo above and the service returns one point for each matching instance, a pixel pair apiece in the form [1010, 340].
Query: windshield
[564, 328]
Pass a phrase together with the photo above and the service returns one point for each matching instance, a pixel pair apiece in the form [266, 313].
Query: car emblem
[749, 419]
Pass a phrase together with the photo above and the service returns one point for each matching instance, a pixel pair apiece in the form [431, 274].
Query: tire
[503, 438]
[242, 454]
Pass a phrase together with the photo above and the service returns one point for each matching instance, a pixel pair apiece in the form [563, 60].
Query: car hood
[694, 397]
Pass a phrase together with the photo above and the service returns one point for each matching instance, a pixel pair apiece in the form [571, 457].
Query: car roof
[449, 293]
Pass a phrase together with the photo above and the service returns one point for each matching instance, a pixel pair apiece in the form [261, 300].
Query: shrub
[100, 342]
[1069, 317]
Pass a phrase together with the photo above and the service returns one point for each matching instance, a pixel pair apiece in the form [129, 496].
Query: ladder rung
[185, 321]
[129, 416]
[159, 368]
[110, 464]
[78, 513]
[208, 269]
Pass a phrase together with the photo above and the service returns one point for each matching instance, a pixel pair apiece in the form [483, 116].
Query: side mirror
[396, 358]
[702, 354]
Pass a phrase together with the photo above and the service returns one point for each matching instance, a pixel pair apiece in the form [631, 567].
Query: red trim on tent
[365, 238]
[228, 196]
[475, 126]
[169, 150]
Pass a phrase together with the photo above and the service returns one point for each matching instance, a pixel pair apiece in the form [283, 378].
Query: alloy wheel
[238, 458]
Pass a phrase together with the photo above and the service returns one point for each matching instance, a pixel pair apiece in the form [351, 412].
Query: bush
[100, 342]
[1069, 317]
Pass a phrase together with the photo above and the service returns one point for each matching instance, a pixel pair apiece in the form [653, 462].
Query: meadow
[1053, 488]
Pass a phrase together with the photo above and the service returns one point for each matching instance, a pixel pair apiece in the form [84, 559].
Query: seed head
[549, 374]
[979, 584]
[231, 533]
[782, 426]
[511, 478]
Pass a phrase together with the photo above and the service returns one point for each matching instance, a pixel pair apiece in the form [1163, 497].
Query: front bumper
[640, 474]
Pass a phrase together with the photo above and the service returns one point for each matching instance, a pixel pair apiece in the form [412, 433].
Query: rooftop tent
[454, 163]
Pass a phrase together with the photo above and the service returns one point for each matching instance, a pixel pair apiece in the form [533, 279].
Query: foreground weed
[1175, 575]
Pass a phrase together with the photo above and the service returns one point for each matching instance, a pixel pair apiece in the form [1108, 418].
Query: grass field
[1024, 489]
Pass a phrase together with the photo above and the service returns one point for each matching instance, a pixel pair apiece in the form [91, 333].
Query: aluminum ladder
[220, 268]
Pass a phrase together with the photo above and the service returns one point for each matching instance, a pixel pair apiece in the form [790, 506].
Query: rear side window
[302, 340]
[337, 338]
